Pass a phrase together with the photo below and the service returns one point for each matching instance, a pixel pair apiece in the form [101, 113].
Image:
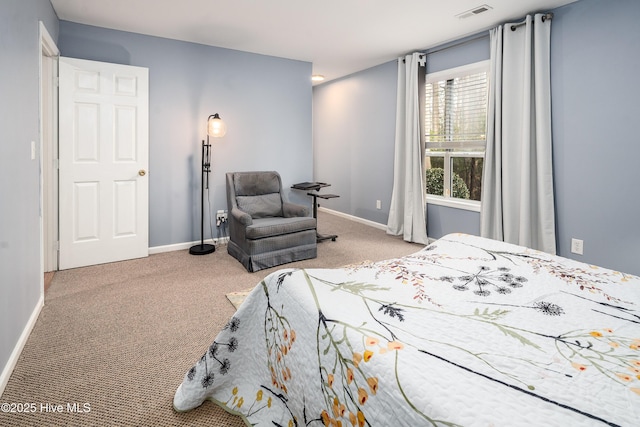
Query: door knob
[142, 172]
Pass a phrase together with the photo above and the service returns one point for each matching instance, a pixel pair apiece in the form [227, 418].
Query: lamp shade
[216, 127]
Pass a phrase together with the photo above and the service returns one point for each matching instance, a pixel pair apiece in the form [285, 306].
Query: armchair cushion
[257, 183]
[262, 206]
[268, 227]
[292, 209]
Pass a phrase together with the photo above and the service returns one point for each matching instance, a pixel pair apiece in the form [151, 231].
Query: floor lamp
[216, 129]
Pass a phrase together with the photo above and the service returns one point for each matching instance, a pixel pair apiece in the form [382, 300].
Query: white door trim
[48, 98]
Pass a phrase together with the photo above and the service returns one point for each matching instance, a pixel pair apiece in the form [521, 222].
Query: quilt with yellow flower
[466, 332]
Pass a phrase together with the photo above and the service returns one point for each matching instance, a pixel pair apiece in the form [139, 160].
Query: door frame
[48, 99]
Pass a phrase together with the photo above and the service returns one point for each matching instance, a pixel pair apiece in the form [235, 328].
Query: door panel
[104, 138]
[86, 211]
[86, 139]
[125, 194]
[125, 138]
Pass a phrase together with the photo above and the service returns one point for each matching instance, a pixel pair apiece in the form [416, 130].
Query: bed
[466, 332]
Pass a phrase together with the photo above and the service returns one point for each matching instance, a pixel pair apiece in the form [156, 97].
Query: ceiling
[339, 37]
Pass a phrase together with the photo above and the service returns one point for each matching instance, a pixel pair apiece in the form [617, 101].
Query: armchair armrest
[241, 216]
[293, 210]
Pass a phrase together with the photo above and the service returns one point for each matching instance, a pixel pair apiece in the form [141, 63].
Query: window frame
[448, 154]
[447, 200]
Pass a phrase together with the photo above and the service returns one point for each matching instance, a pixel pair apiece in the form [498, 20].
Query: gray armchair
[266, 230]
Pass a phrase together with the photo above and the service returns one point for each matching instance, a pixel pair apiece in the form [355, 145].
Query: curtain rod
[481, 35]
[459, 43]
[422, 55]
[546, 16]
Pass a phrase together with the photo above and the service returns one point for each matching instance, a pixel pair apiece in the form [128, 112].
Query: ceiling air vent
[475, 11]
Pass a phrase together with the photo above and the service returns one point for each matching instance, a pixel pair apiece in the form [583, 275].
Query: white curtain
[517, 186]
[407, 215]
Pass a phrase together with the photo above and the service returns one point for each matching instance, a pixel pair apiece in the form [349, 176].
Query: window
[455, 131]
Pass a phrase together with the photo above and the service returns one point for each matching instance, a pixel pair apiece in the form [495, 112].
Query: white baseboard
[362, 221]
[17, 350]
[355, 218]
[220, 241]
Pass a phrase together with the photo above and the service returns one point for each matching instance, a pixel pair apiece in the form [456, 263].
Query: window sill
[468, 205]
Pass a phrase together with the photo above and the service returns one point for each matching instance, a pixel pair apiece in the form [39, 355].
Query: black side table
[313, 188]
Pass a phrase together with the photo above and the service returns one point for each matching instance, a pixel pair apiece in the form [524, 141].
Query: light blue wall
[20, 261]
[462, 52]
[595, 61]
[353, 142]
[595, 109]
[442, 220]
[265, 101]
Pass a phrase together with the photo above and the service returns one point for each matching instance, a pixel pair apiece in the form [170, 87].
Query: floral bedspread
[466, 332]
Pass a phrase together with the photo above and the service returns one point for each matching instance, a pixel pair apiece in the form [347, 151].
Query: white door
[103, 161]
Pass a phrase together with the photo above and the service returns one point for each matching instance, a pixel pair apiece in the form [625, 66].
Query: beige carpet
[114, 341]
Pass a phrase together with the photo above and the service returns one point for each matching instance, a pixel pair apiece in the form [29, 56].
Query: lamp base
[203, 249]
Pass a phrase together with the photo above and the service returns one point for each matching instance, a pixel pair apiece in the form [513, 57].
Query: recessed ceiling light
[317, 77]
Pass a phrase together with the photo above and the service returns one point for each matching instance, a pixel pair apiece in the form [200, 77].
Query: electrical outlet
[221, 217]
[378, 204]
[577, 246]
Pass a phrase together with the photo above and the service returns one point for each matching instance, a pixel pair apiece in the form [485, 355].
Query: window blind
[456, 112]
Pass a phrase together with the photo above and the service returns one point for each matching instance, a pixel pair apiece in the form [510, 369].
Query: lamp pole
[217, 129]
